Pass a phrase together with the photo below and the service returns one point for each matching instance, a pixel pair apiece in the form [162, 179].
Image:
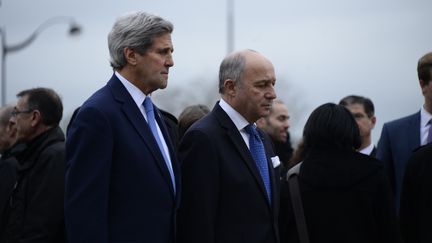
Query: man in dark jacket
[276, 126]
[7, 168]
[416, 211]
[35, 211]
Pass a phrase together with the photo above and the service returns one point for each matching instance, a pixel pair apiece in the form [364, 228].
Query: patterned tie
[148, 106]
[256, 148]
[429, 137]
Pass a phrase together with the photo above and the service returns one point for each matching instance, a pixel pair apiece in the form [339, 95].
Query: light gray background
[321, 50]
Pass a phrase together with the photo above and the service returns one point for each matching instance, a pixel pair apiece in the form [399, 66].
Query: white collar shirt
[138, 96]
[425, 117]
[239, 121]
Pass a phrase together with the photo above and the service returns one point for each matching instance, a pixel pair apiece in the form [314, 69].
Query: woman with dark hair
[345, 195]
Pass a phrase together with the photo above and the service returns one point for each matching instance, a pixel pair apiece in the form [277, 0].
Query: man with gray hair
[122, 176]
[230, 189]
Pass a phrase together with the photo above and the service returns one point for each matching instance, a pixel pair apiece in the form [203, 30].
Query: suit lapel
[169, 143]
[414, 128]
[274, 177]
[134, 115]
[236, 138]
[373, 152]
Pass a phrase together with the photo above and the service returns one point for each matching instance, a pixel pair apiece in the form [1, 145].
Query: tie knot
[251, 130]
[148, 105]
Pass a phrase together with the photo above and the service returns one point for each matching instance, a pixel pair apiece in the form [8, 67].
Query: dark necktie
[256, 148]
[148, 106]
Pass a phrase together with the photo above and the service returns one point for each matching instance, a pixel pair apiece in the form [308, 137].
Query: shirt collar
[425, 117]
[239, 121]
[137, 95]
[368, 149]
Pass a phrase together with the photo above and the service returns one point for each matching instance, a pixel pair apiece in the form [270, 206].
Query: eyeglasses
[15, 111]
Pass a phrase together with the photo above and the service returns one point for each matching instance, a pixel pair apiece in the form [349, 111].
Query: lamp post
[74, 29]
[230, 26]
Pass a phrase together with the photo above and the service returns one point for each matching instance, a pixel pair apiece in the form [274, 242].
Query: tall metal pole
[3, 67]
[230, 26]
[6, 49]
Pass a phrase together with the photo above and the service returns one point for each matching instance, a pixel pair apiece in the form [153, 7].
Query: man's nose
[271, 94]
[286, 125]
[169, 62]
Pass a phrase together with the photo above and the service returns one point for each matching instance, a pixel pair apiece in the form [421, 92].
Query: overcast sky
[321, 50]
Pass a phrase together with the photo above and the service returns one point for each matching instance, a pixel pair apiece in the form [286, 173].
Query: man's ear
[11, 129]
[130, 56]
[373, 120]
[230, 87]
[36, 118]
[421, 82]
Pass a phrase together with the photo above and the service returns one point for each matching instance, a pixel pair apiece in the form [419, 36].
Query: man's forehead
[356, 107]
[22, 100]
[280, 108]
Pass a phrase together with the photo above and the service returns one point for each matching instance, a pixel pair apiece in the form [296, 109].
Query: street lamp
[74, 29]
[230, 26]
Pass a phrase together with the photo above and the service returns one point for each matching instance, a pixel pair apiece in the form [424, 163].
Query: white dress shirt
[239, 121]
[368, 149]
[425, 117]
[138, 96]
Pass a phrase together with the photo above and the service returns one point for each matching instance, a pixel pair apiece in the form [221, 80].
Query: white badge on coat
[275, 161]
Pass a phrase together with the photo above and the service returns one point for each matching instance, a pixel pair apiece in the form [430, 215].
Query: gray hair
[232, 67]
[135, 30]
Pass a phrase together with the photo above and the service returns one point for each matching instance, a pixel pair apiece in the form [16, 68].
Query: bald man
[231, 191]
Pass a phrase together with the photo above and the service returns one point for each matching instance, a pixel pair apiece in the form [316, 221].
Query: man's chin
[282, 138]
[265, 113]
[163, 85]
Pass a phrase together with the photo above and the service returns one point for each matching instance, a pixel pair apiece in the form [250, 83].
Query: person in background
[35, 210]
[7, 162]
[363, 111]
[399, 138]
[122, 175]
[416, 198]
[345, 195]
[189, 116]
[7, 130]
[276, 126]
[230, 189]
[172, 126]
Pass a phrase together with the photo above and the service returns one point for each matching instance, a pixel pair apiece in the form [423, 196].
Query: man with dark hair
[122, 176]
[363, 111]
[230, 189]
[276, 126]
[401, 137]
[35, 211]
[189, 116]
